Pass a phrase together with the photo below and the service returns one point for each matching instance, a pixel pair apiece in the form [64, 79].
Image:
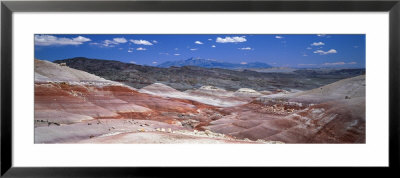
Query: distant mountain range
[208, 63]
[190, 77]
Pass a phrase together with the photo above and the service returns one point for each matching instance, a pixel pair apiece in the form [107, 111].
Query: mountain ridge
[192, 77]
[208, 63]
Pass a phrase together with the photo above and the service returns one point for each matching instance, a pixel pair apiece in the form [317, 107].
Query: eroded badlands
[72, 106]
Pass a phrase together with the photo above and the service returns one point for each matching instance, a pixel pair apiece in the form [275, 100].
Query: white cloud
[109, 43]
[308, 48]
[48, 40]
[306, 64]
[317, 44]
[81, 39]
[132, 62]
[130, 50]
[141, 49]
[198, 42]
[245, 48]
[193, 49]
[235, 39]
[321, 52]
[243, 63]
[176, 49]
[352, 63]
[141, 42]
[120, 40]
[155, 42]
[321, 35]
[209, 39]
[154, 62]
[213, 46]
[278, 37]
[177, 54]
[334, 64]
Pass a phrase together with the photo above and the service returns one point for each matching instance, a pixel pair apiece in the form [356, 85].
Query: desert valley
[81, 100]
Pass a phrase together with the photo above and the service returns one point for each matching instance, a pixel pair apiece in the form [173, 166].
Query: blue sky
[280, 50]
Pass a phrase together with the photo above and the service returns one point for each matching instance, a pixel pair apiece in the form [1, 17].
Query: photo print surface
[199, 88]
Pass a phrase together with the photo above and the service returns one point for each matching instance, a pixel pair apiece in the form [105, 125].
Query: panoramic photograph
[199, 88]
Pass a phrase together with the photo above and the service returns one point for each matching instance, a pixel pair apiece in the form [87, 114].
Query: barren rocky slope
[73, 106]
[334, 113]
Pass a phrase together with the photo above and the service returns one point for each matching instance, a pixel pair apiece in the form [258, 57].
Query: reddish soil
[333, 121]
[329, 122]
[108, 102]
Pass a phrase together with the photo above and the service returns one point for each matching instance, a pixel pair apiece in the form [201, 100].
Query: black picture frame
[8, 7]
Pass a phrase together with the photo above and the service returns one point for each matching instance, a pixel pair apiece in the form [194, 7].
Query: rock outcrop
[205, 95]
[322, 115]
